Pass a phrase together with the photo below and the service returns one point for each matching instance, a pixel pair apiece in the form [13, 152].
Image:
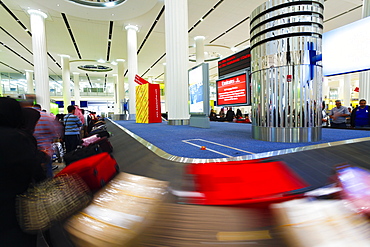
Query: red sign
[232, 90]
[139, 80]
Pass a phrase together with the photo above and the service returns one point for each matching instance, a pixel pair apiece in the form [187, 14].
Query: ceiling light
[26, 30]
[234, 49]
[101, 61]
[110, 4]
[113, 63]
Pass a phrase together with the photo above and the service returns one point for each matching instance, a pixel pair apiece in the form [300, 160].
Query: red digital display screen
[233, 90]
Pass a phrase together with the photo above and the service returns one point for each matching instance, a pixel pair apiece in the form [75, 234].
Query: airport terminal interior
[276, 165]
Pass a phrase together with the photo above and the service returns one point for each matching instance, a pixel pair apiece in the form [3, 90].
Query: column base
[178, 122]
[291, 135]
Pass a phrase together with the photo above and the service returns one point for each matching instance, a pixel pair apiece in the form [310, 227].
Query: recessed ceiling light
[58, 5]
[101, 61]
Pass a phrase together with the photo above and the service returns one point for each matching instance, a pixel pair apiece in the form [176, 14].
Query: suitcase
[96, 170]
[100, 133]
[100, 127]
[104, 144]
[119, 212]
[209, 226]
[90, 140]
[81, 153]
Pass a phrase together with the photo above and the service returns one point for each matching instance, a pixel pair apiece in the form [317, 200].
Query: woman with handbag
[19, 166]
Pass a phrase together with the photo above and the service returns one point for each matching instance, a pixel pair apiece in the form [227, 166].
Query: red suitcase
[96, 170]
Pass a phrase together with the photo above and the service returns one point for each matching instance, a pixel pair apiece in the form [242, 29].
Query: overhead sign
[238, 61]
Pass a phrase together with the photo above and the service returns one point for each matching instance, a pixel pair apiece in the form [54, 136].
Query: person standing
[72, 129]
[338, 115]
[19, 166]
[360, 117]
[47, 129]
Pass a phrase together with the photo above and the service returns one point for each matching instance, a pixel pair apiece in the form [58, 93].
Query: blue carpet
[170, 139]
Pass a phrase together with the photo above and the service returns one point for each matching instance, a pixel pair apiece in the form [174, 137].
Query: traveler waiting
[19, 166]
[47, 129]
[360, 117]
[213, 115]
[72, 129]
[230, 114]
[338, 115]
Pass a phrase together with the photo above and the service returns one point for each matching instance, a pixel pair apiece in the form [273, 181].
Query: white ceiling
[90, 28]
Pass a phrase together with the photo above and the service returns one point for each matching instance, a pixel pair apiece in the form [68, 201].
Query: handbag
[50, 201]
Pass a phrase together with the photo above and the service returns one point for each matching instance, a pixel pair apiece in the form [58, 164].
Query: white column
[165, 87]
[116, 99]
[364, 79]
[132, 67]
[66, 76]
[177, 57]
[121, 84]
[199, 49]
[347, 90]
[150, 79]
[76, 80]
[40, 58]
[341, 89]
[325, 89]
[29, 78]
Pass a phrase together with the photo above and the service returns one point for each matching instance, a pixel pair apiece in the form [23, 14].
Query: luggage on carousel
[119, 212]
[183, 225]
[90, 140]
[104, 144]
[96, 170]
[81, 153]
[100, 133]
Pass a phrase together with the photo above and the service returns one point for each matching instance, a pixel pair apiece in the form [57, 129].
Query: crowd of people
[345, 117]
[26, 151]
[229, 116]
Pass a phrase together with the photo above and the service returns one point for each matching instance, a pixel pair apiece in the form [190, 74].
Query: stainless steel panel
[313, 29]
[178, 122]
[273, 3]
[292, 135]
[292, 20]
[313, 10]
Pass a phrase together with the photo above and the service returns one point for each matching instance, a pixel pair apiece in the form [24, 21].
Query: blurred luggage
[96, 170]
[100, 127]
[52, 200]
[90, 140]
[242, 182]
[100, 133]
[99, 123]
[119, 212]
[323, 223]
[58, 152]
[81, 153]
[183, 225]
[355, 185]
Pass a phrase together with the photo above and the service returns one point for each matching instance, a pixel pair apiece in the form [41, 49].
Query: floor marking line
[208, 149]
[220, 145]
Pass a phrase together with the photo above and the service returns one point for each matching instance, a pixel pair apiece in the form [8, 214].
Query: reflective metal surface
[178, 122]
[175, 158]
[287, 70]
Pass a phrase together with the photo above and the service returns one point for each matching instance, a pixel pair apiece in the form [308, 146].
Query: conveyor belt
[315, 166]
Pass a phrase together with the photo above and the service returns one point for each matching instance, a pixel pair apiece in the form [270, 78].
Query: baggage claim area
[274, 176]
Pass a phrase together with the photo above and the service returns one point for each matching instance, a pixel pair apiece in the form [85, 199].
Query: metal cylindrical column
[66, 76]
[287, 70]
[199, 49]
[132, 68]
[1, 87]
[29, 78]
[40, 58]
[177, 58]
[76, 80]
[121, 84]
